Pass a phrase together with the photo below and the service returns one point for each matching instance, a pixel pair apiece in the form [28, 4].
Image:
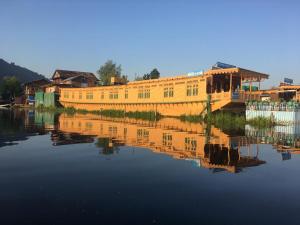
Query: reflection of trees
[62, 138]
[13, 127]
[107, 146]
[11, 121]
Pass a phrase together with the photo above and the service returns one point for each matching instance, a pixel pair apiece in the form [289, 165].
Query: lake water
[87, 169]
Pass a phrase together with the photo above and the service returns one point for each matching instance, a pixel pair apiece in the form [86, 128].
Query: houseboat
[220, 88]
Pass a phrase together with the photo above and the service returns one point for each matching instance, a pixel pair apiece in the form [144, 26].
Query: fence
[280, 112]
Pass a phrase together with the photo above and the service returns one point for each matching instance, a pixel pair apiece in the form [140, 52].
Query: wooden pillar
[230, 89]
[241, 83]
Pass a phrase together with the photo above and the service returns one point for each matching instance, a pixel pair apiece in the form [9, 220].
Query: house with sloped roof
[74, 78]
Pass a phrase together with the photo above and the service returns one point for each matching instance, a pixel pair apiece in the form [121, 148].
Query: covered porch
[234, 84]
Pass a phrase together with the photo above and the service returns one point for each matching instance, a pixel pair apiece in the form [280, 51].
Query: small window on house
[89, 95]
[80, 95]
[66, 94]
[189, 90]
[140, 94]
[166, 92]
[171, 92]
[147, 93]
[126, 94]
[195, 89]
[102, 95]
[116, 95]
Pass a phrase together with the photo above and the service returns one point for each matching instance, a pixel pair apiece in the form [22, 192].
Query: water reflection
[285, 139]
[206, 146]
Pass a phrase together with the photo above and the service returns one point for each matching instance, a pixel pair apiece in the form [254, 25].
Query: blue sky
[174, 36]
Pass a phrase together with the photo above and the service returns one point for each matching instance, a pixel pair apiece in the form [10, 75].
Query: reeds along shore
[223, 120]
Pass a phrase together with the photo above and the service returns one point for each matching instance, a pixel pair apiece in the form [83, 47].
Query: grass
[191, 118]
[229, 121]
[222, 120]
[261, 122]
[145, 115]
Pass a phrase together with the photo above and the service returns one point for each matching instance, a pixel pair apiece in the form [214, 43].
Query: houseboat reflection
[208, 146]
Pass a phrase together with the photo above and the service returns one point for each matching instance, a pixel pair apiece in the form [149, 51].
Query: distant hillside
[23, 74]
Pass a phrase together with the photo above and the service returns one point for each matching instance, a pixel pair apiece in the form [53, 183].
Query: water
[87, 169]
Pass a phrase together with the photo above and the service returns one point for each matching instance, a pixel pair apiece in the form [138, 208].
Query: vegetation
[10, 88]
[109, 70]
[262, 122]
[146, 115]
[154, 74]
[229, 120]
[191, 118]
[223, 120]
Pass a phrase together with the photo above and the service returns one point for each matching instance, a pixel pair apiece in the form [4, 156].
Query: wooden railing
[240, 96]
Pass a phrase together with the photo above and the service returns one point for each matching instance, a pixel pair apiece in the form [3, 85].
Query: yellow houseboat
[218, 88]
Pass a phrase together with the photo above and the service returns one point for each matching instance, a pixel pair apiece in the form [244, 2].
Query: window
[102, 95]
[116, 95]
[195, 89]
[140, 93]
[189, 90]
[190, 144]
[166, 92]
[89, 95]
[167, 139]
[72, 94]
[113, 95]
[144, 93]
[147, 93]
[66, 94]
[171, 92]
[80, 95]
[126, 94]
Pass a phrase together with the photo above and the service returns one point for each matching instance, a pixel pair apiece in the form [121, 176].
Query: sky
[176, 37]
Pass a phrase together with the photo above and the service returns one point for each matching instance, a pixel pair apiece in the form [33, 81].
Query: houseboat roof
[289, 87]
[246, 75]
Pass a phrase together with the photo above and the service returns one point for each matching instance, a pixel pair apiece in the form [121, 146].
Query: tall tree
[10, 87]
[108, 70]
[154, 74]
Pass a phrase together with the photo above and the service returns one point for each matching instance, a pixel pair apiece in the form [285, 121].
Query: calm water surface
[84, 169]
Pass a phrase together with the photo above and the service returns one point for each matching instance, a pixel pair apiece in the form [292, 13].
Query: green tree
[10, 87]
[154, 74]
[108, 70]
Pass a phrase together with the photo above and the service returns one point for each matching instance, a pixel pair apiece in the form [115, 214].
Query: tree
[108, 70]
[10, 87]
[124, 78]
[138, 78]
[154, 74]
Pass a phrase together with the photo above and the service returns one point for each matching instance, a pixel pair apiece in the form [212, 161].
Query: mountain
[21, 73]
